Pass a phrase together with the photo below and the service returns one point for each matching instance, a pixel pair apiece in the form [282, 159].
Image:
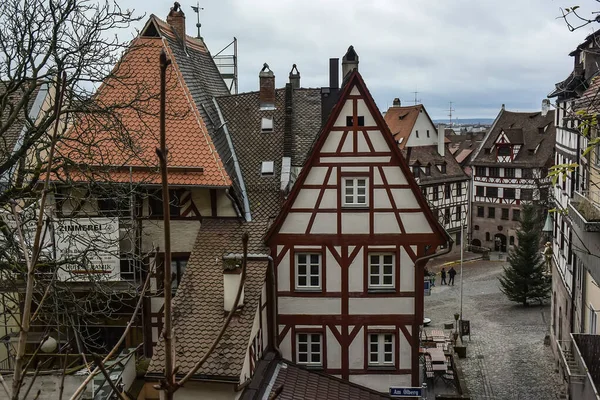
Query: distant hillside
[466, 121]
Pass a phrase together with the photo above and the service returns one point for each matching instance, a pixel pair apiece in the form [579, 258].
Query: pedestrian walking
[451, 273]
[443, 273]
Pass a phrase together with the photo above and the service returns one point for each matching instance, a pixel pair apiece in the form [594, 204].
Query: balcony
[580, 360]
[584, 210]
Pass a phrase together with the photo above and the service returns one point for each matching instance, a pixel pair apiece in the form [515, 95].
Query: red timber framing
[394, 197]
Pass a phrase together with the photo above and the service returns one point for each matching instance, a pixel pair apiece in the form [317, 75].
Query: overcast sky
[478, 54]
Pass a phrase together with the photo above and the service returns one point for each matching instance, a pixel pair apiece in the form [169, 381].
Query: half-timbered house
[510, 168]
[440, 177]
[349, 247]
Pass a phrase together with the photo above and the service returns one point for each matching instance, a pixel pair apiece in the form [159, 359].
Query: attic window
[349, 120]
[267, 168]
[361, 121]
[441, 168]
[417, 133]
[151, 31]
[266, 125]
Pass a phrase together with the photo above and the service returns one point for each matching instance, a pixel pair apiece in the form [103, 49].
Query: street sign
[406, 391]
[427, 285]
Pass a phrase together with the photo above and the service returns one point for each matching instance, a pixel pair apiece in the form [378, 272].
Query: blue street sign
[406, 392]
[427, 287]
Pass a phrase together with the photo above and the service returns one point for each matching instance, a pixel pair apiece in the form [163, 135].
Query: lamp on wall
[547, 252]
[548, 227]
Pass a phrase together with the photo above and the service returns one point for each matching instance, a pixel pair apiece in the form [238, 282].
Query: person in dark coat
[443, 273]
[451, 273]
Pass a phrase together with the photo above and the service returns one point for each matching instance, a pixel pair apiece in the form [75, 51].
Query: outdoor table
[437, 355]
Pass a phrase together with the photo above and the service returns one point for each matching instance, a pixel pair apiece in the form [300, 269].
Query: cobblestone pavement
[506, 356]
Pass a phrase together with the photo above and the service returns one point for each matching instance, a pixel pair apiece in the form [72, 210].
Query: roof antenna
[450, 109]
[197, 9]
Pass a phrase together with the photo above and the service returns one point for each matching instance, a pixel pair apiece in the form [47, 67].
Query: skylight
[267, 168]
[266, 124]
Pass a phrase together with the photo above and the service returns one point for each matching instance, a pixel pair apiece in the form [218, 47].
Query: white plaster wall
[325, 223]
[334, 350]
[362, 143]
[407, 272]
[348, 146]
[334, 272]
[183, 235]
[307, 198]
[355, 91]
[283, 273]
[346, 111]
[356, 355]
[404, 349]
[381, 199]
[332, 177]
[355, 169]
[224, 205]
[378, 141]
[308, 305]
[385, 223]
[355, 273]
[355, 223]
[415, 223]
[377, 180]
[286, 344]
[363, 110]
[295, 222]
[365, 159]
[381, 383]
[316, 176]
[394, 176]
[381, 305]
[422, 125]
[404, 198]
[332, 141]
[329, 199]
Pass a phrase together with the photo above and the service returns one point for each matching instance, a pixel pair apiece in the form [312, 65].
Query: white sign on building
[88, 248]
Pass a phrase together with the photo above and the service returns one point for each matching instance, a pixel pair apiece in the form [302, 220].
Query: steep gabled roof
[401, 121]
[428, 155]
[193, 154]
[355, 80]
[536, 133]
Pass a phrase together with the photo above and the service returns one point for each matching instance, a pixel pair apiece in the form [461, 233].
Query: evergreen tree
[524, 278]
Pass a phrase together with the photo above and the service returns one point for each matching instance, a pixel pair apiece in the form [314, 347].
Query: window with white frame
[355, 192]
[381, 271]
[309, 348]
[308, 271]
[381, 349]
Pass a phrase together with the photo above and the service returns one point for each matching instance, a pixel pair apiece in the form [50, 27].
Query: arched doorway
[476, 242]
[500, 242]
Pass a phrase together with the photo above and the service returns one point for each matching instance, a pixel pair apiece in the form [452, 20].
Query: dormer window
[416, 171]
[267, 168]
[428, 170]
[441, 168]
[504, 151]
[266, 125]
[417, 133]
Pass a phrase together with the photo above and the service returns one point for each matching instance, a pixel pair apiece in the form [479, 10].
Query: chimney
[176, 19]
[349, 62]
[545, 107]
[503, 106]
[334, 73]
[267, 87]
[232, 276]
[295, 77]
[442, 140]
[396, 102]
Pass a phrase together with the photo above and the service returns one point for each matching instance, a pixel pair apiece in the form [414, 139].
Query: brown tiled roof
[463, 146]
[428, 155]
[9, 138]
[198, 312]
[243, 116]
[401, 121]
[537, 130]
[297, 383]
[463, 155]
[188, 139]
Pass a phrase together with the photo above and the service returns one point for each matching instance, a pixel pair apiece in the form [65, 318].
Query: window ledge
[308, 290]
[381, 367]
[381, 290]
[312, 367]
[355, 206]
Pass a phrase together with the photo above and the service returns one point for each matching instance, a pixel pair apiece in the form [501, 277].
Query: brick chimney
[441, 140]
[267, 87]
[396, 102]
[349, 61]
[176, 19]
[295, 77]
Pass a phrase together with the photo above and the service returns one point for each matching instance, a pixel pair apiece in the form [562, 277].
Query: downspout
[272, 307]
[236, 164]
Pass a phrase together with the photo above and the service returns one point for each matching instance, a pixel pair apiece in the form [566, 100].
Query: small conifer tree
[523, 279]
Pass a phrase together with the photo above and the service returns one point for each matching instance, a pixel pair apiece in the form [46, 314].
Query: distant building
[509, 170]
[440, 177]
[463, 147]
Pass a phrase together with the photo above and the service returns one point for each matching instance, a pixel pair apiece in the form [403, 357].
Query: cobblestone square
[506, 356]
